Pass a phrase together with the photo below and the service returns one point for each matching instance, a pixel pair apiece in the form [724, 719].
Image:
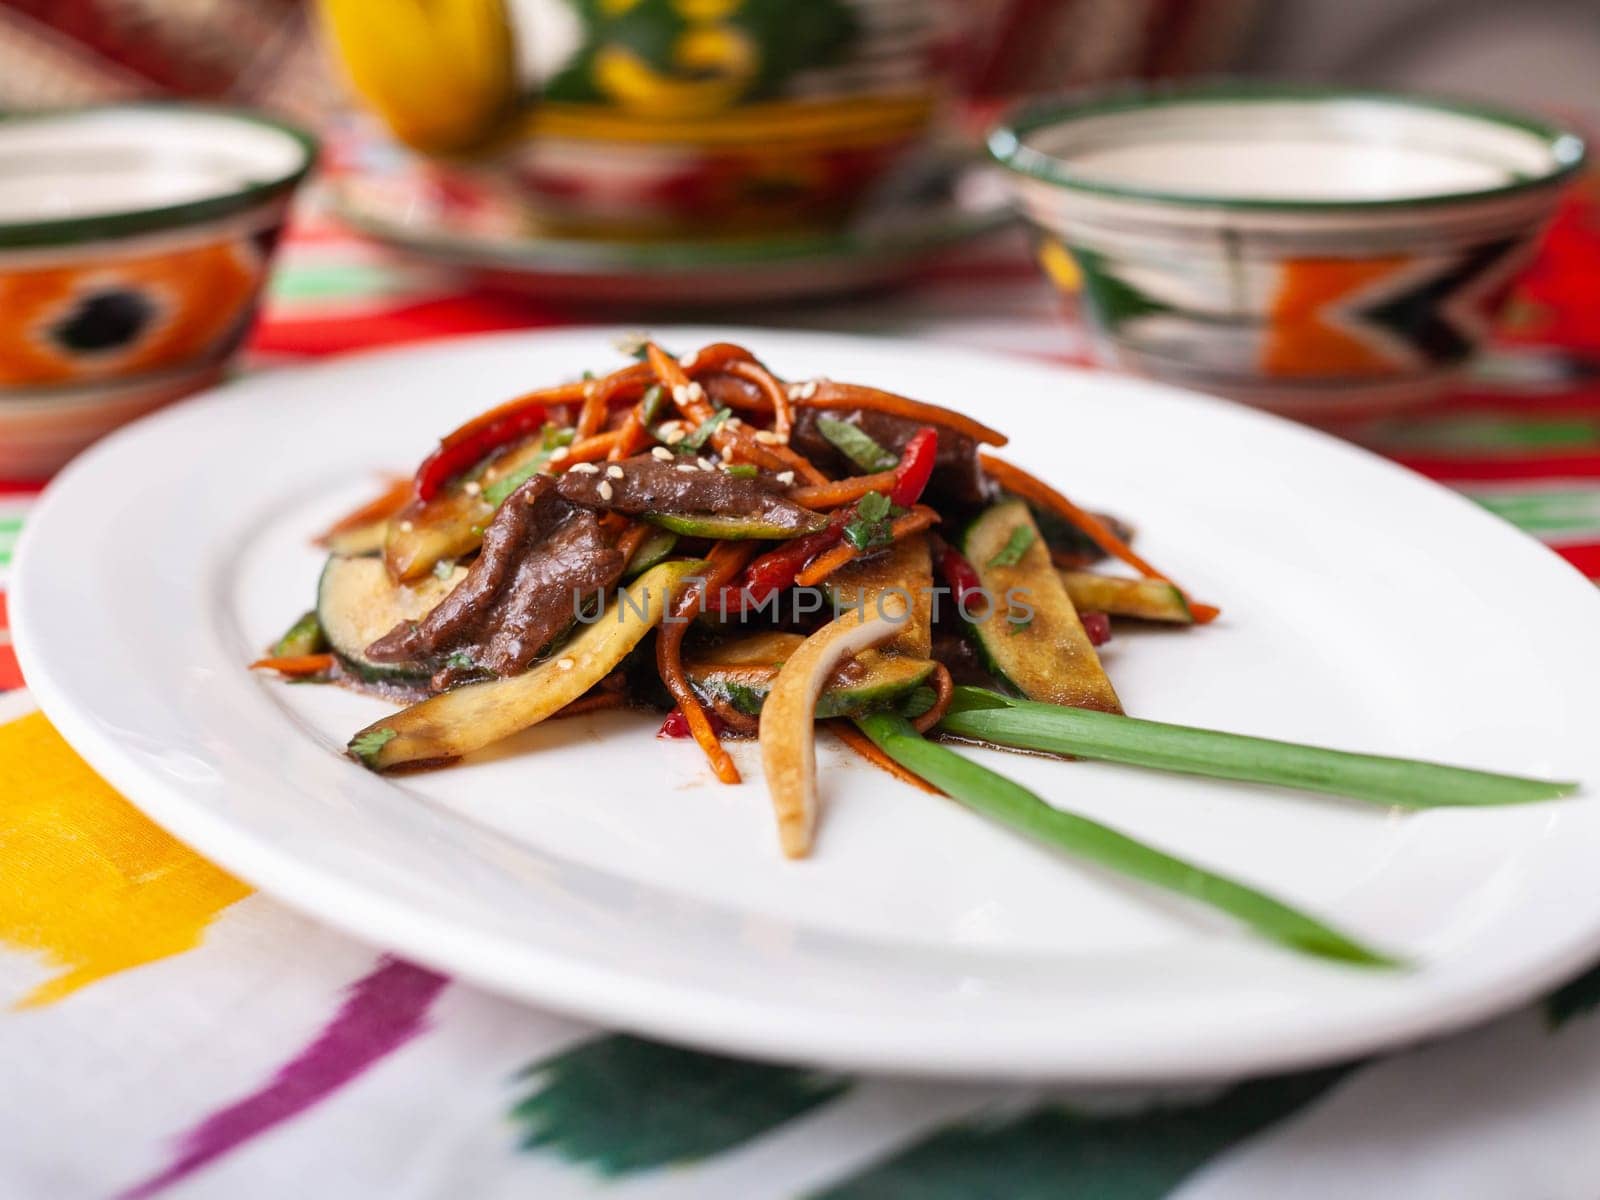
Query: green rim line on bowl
[133, 220]
[1008, 141]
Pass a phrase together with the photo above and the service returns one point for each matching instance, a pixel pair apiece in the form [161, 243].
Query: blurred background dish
[1317, 251]
[467, 220]
[134, 243]
[661, 117]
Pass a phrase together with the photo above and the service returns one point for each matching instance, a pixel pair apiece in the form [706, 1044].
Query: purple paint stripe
[382, 1012]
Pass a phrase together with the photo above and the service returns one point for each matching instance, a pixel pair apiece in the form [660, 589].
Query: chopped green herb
[1016, 546]
[855, 444]
[1018, 624]
[460, 661]
[743, 470]
[550, 439]
[366, 746]
[444, 568]
[303, 637]
[703, 432]
[870, 525]
[587, 376]
[650, 404]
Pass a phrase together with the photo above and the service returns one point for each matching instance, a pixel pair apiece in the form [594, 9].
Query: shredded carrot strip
[295, 664]
[852, 395]
[844, 491]
[829, 561]
[867, 748]
[631, 538]
[723, 563]
[944, 688]
[1014, 479]
[596, 702]
[588, 450]
[777, 395]
[732, 445]
[379, 508]
[592, 418]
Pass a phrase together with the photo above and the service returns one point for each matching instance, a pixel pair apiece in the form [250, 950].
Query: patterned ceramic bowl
[646, 118]
[1317, 252]
[134, 241]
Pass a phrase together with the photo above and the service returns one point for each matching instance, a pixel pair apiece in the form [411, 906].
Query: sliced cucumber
[363, 539]
[453, 723]
[357, 603]
[741, 672]
[657, 545]
[1044, 655]
[451, 525]
[303, 637]
[1146, 599]
[906, 567]
[709, 525]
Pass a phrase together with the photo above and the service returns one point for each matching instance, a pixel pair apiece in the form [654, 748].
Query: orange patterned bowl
[134, 241]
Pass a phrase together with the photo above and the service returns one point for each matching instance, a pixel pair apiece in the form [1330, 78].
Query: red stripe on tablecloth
[1508, 467]
[10, 672]
[1586, 558]
[422, 322]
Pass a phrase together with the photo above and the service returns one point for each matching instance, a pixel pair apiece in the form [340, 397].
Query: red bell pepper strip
[776, 569]
[958, 573]
[455, 456]
[915, 467]
[677, 725]
[1097, 625]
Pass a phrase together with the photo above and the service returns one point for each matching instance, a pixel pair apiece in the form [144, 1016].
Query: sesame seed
[614, 472]
[472, 487]
[694, 391]
[565, 664]
[589, 389]
[689, 468]
[680, 394]
[705, 464]
[785, 477]
[605, 490]
[560, 454]
[661, 454]
[808, 389]
[584, 469]
[767, 438]
[406, 526]
[689, 359]
[794, 391]
[675, 435]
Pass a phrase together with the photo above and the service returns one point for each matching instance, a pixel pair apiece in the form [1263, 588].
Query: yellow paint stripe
[88, 883]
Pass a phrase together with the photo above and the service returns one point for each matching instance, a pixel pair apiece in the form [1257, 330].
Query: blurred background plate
[468, 221]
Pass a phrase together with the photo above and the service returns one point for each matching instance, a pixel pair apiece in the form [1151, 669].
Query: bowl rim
[138, 219]
[1006, 143]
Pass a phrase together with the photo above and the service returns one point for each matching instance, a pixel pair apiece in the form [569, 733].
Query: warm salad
[760, 558]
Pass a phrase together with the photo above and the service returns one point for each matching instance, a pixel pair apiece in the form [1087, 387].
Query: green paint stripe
[5, 557]
[1546, 512]
[620, 1105]
[333, 281]
[1053, 1153]
[1490, 433]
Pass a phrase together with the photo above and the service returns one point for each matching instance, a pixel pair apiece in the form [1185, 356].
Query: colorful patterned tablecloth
[165, 1031]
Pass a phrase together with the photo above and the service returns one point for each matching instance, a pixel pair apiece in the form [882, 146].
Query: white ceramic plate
[589, 867]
